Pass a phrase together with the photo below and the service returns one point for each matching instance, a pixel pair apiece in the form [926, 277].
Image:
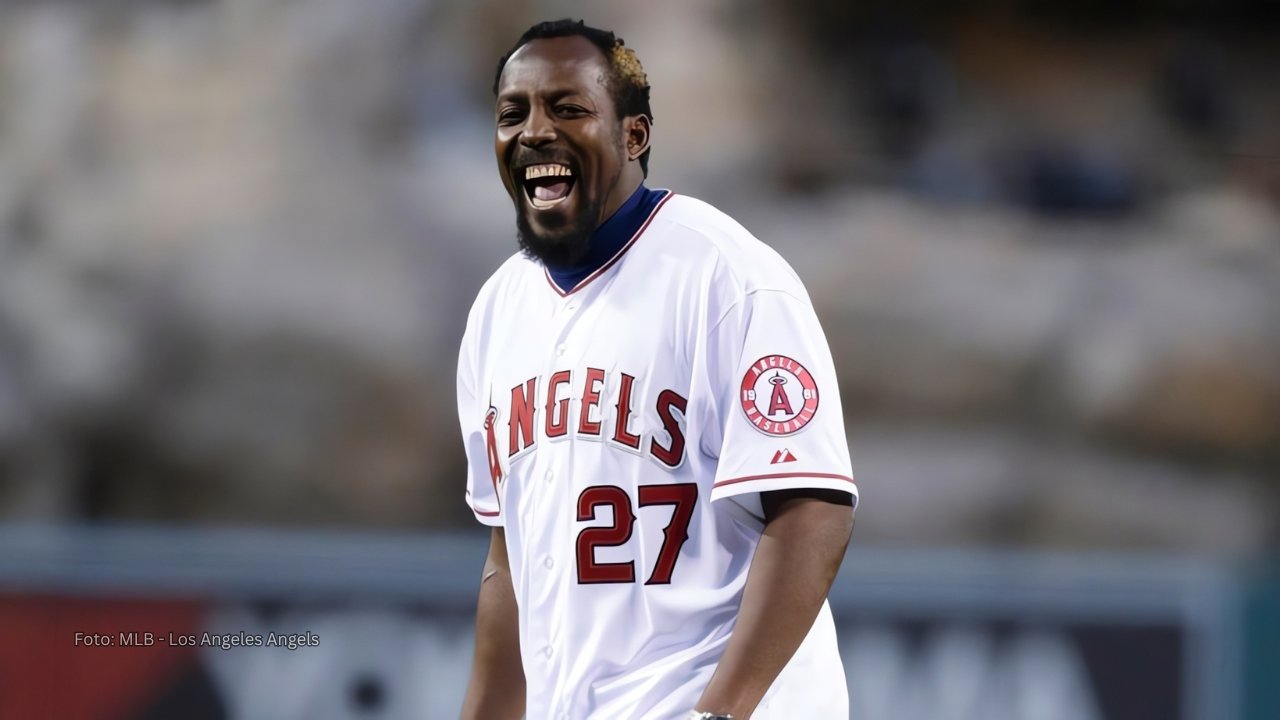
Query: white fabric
[687, 310]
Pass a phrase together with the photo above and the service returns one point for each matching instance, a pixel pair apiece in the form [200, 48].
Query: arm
[804, 539]
[496, 690]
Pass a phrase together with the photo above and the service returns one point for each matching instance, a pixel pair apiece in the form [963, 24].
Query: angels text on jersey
[578, 403]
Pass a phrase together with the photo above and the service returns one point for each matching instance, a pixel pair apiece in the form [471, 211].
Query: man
[652, 426]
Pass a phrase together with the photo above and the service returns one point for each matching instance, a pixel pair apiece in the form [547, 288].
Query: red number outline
[682, 496]
[589, 570]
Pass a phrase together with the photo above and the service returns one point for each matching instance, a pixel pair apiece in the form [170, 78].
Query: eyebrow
[552, 95]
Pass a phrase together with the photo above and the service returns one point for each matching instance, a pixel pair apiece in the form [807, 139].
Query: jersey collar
[610, 241]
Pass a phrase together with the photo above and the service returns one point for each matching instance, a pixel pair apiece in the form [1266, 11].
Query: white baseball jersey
[621, 430]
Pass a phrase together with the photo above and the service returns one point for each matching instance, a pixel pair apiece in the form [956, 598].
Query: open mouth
[548, 184]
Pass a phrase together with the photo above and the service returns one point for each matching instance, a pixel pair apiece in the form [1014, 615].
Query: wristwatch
[695, 715]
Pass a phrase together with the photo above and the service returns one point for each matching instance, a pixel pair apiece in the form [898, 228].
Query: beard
[563, 246]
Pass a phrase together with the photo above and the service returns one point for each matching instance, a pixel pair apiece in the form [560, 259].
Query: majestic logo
[782, 456]
[778, 395]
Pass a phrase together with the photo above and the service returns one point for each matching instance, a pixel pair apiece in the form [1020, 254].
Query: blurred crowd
[238, 241]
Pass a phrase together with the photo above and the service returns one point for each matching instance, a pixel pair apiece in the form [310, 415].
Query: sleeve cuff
[492, 518]
[784, 481]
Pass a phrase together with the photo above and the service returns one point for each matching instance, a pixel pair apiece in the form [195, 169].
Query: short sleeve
[476, 420]
[781, 424]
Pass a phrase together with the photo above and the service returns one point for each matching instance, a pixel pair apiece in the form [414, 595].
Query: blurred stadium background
[238, 239]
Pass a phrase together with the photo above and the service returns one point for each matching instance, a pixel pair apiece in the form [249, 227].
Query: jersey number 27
[683, 496]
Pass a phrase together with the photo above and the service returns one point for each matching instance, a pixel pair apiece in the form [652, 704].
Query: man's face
[560, 145]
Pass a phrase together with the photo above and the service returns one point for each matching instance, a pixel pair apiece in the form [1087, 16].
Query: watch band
[695, 715]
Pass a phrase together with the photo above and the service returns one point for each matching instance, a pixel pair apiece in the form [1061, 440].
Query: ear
[636, 130]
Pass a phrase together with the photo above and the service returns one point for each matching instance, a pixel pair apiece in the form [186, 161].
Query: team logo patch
[778, 395]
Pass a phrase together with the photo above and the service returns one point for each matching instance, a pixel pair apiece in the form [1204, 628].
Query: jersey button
[548, 563]
[547, 651]
[560, 349]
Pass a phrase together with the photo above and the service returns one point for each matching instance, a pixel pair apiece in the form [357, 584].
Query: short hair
[626, 79]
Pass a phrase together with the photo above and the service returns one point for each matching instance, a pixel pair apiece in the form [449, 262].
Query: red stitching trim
[774, 476]
[616, 257]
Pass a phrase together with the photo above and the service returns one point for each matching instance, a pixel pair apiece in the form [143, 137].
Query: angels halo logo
[778, 395]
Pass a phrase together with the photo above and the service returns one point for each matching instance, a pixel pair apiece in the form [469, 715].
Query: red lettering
[557, 422]
[620, 433]
[628, 429]
[672, 456]
[521, 422]
[779, 402]
[491, 446]
[590, 399]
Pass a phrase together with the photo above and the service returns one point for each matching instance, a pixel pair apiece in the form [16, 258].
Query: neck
[610, 238]
[628, 182]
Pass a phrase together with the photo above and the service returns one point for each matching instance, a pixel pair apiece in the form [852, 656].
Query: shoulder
[507, 283]
[705, 235]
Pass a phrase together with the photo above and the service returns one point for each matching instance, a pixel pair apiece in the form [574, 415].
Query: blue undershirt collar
[612, 235]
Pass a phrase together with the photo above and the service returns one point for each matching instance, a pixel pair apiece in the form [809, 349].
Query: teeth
[546, 170]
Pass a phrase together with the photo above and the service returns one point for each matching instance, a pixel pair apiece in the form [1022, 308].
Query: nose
[538, 129]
